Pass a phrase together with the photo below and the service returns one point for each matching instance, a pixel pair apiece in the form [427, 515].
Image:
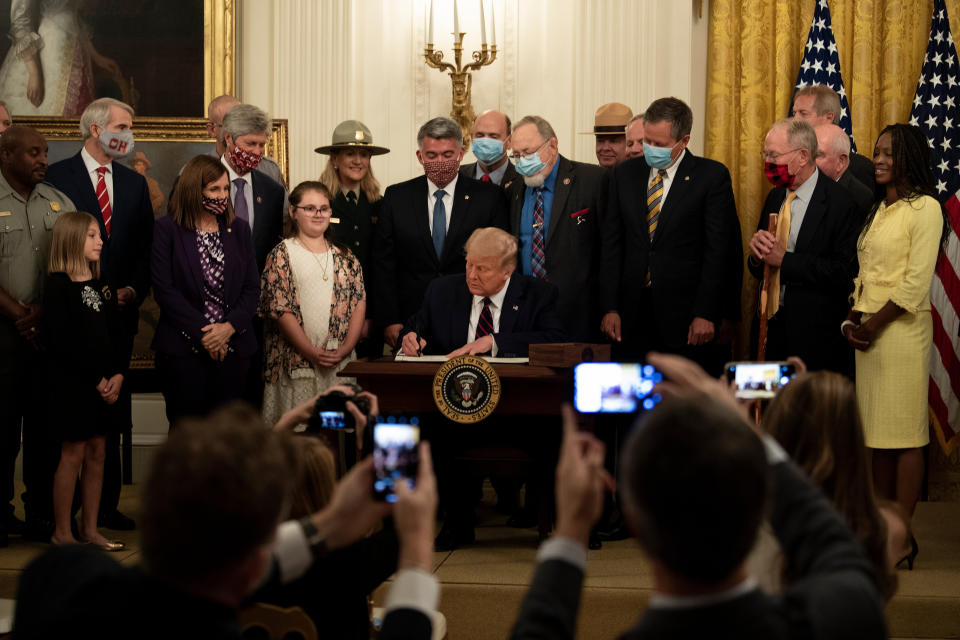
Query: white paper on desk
[402, 358]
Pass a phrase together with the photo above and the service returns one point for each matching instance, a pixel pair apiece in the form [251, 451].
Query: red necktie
[485, 323]
[485, 177]
[104, 199]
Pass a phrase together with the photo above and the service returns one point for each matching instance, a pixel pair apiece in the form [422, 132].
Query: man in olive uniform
[28, 209]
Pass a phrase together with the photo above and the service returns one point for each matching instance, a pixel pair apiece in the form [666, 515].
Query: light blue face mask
[658, 157]
[487, 150]
[529, 165]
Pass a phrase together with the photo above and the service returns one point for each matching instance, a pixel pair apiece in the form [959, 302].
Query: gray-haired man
[424, 224]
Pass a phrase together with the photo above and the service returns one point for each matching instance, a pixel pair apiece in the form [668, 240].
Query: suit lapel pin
[516, 308]
[566, 181]
[685, 178]
[259, 200]
[466, 196]
[507, 186]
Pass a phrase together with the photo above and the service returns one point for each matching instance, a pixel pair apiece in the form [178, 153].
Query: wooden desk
[408, 386]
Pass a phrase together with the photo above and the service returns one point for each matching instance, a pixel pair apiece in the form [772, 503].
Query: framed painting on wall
[165, 59]
[163, 146]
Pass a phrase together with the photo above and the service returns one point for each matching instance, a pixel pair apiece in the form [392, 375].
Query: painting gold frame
[219, 48]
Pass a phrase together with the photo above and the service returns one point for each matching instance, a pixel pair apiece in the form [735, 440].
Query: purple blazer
[177, 287]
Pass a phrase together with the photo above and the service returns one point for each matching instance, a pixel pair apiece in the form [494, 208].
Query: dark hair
[694, 483]
[186, 203]
[816, 420]
[912, 173]
[296, 196]
[674, 111]
[216, 491]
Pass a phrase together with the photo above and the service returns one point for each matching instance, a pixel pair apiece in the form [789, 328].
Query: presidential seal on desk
[466, 389]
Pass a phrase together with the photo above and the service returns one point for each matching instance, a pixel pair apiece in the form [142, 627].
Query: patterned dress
[293, 283]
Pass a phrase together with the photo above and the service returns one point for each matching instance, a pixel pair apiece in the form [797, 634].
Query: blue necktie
[439, 222]
[240, 200]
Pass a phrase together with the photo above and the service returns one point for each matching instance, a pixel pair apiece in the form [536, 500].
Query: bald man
[491, 142]
[833, 159]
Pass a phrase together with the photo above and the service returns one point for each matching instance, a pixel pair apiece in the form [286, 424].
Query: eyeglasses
[519, 154]
[772, 157]
[309, 209]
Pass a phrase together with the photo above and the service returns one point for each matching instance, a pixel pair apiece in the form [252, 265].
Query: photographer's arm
[302, 412]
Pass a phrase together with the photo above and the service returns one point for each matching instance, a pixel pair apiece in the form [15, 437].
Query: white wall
[318, 62]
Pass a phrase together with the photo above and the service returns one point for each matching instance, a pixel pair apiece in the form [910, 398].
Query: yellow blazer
[898, 254]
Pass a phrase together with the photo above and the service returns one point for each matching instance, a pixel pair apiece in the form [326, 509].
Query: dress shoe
[911, 556]
[594, 542]
[614, 532]
[116, 521]
[452, 537]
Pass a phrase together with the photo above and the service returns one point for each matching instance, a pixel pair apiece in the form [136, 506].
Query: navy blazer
[695, 259]
[268, 196]
[404, 260]
[178, 288]
[125, 258]
[528, 316]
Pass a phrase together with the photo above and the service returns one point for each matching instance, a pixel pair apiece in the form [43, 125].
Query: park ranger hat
[352, 134]
[610, 119]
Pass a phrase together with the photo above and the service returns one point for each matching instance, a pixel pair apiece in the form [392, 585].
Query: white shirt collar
[448, 189]
[496, 300]
[91, 163]
[672, 169]
[664, 601]
[805, 191]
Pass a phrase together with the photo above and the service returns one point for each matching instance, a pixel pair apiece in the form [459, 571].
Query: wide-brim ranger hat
[610, 119]
[352, 134]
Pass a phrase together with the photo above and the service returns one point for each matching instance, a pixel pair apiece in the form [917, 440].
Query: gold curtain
[754, 52]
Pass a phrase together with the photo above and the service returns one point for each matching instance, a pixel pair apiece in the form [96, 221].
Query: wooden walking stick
[764, 296]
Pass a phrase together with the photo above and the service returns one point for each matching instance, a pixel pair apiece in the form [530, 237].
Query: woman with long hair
[816, 420]
[889, 323]
[206, 283]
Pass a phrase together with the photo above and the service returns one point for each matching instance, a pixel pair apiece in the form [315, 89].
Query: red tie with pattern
[104, 199]
[485, 177]
[537, 257]
[485, 323]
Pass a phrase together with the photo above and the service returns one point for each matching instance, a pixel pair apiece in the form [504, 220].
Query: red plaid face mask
[244, 162]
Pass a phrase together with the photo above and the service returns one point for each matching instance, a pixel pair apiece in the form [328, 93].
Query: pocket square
[582, 212]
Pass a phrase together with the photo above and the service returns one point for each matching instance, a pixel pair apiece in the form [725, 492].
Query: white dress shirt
[496, 305]
[248, 192]
[92, 165]
[667, 179]
[447, 201]
[798, 210]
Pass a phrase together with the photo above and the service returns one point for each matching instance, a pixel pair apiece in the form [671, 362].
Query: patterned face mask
[242, 161]
[777, 174]
[441, 172]
[216, 206]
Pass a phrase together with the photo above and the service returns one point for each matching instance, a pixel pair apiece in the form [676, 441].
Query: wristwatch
[318, 546]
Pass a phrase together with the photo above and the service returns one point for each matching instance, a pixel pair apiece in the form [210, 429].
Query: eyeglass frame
[771, 157]
[325, 210]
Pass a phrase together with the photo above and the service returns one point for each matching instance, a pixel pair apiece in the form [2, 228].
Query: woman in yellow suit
[889, 323]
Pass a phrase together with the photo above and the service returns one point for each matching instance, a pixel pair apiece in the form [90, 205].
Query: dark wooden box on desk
[408, 386]
[567, 354]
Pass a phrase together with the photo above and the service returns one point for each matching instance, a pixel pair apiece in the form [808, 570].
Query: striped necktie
[485, 324]
[654, 200]
[537, 256]
[103, 199]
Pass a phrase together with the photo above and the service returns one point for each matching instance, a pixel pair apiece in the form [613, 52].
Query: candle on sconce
[493, 26]
[430, 31]
[483, 26]
[456, 21]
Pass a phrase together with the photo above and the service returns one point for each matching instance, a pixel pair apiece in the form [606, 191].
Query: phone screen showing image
[395, 456]
[759, 379]
[614, 387]
[332, 419]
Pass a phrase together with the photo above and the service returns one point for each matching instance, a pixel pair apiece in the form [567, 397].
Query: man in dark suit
[213, 531]
[813, 256]
[818, 104]
[494, 311]
[424, 223]
[256, 198]
[119, 199]
[671, 246]
[696, 479]
[554, 213]
[492, 163]
[833, 160]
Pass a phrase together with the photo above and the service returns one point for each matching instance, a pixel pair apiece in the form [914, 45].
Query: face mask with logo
[116, 143]
[777, 174]
[216, 206]
[243, 162]
[487, 150]
[657, 157]
[441, 172]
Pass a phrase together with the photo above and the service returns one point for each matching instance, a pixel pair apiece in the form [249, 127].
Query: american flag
[936, 110]
[821, 64]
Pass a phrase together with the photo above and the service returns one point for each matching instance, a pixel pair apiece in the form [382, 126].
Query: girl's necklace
[326, 258]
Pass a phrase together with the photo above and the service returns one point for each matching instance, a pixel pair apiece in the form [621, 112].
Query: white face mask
[117, 144]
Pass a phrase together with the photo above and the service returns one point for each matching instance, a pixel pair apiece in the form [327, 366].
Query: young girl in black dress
[83, 366]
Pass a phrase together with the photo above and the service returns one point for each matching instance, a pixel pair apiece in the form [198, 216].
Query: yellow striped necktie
[654, 201]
